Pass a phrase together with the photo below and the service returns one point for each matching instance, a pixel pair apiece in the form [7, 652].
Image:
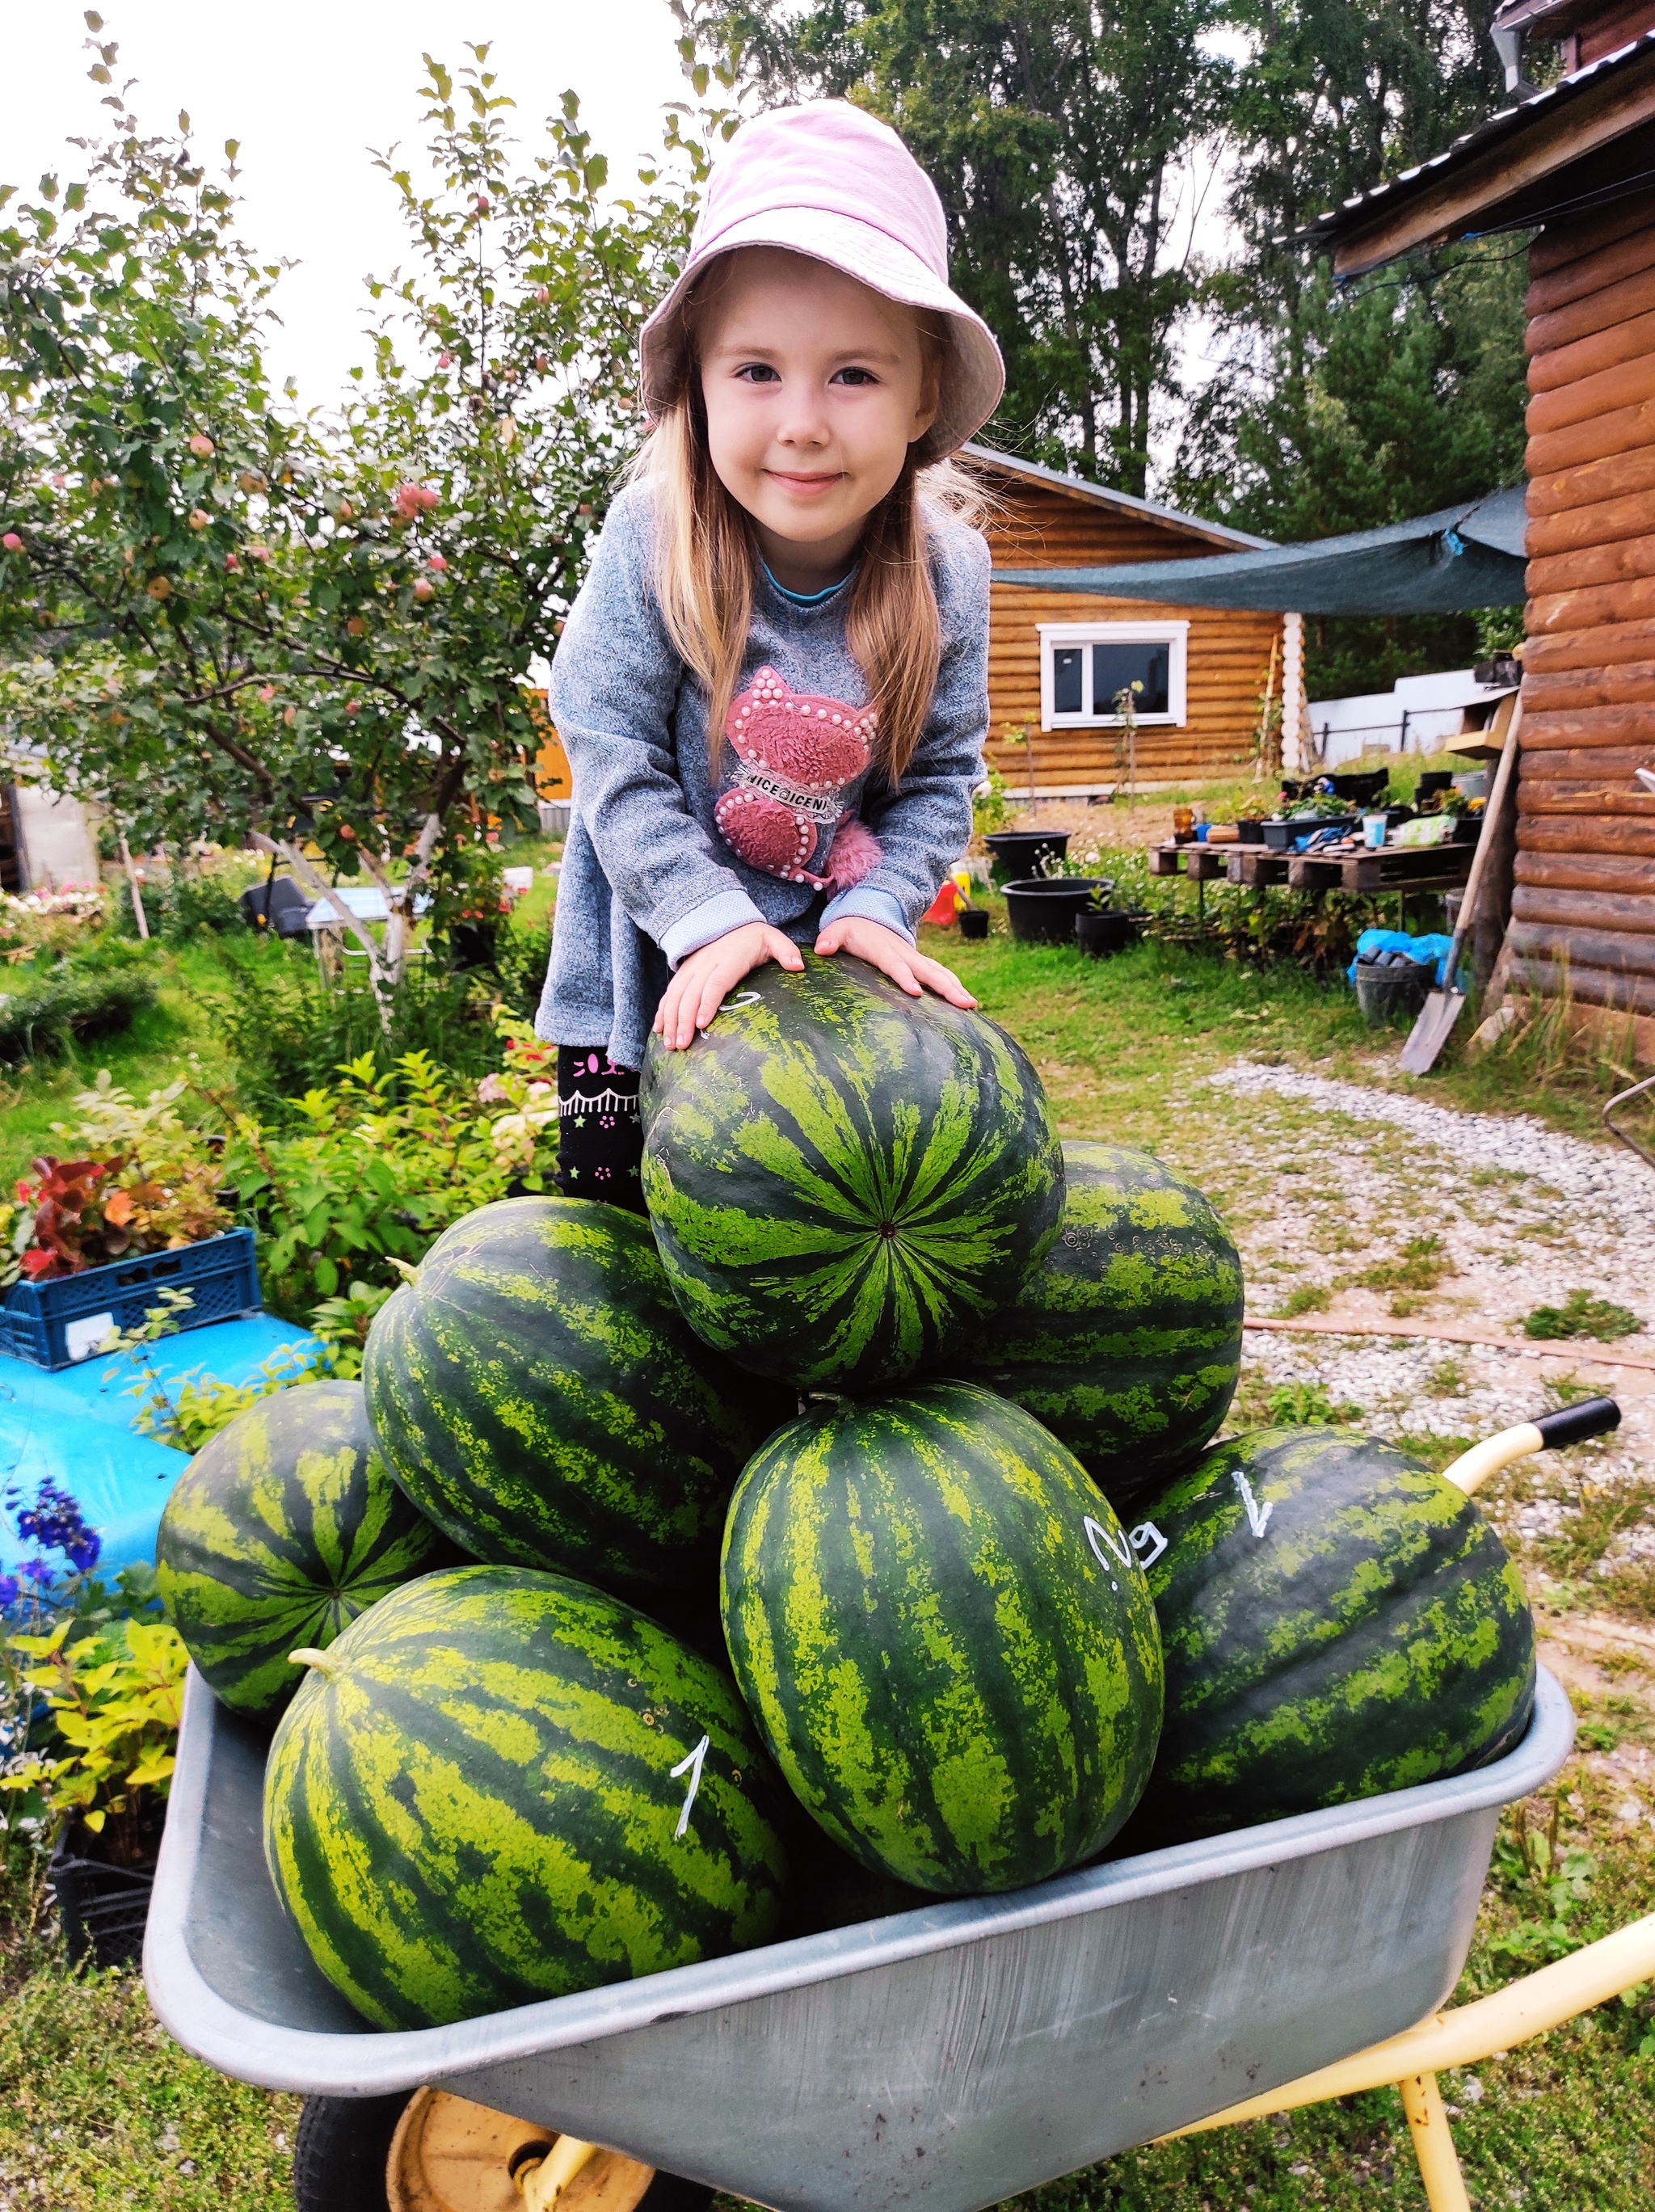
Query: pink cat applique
[794, 753]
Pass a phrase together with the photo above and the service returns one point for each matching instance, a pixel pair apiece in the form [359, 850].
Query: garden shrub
[290, 1028]
[111, 1704]
[46, 1002]
[380, 1161]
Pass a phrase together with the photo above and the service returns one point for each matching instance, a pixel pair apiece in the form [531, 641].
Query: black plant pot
[104, 1908]
[1249, 833]
[974, 923]
[1019, 853]
[1102, 935]
[1043, 912]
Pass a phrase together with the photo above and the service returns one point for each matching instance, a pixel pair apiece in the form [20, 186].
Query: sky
[308, 88]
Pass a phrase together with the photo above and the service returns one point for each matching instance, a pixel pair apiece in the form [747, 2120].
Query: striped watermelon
[1338, 1621]
[281, 1530]
[845, 1181]
[501, 1786]
[537, 1395]
[1126, 1341]
[943, 1638]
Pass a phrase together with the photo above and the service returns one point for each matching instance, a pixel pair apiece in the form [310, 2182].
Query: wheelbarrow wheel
[432, 2152]
[340, 2153]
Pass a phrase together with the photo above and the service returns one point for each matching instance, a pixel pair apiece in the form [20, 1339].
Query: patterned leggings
[599, 1140]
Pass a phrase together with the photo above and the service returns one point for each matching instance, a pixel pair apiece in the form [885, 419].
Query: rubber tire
[343, 2144]
[340, 2153]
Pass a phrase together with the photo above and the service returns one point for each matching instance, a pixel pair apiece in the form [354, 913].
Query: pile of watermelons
[857, 1513]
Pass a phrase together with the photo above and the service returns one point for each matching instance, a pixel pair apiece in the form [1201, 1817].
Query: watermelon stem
[324, 1661]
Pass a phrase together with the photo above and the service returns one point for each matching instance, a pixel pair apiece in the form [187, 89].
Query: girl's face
[815, 387]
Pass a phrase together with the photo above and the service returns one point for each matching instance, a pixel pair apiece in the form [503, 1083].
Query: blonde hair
[705, 556]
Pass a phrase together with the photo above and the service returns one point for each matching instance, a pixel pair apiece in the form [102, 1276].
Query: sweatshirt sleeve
[614, 692]
[923, 827]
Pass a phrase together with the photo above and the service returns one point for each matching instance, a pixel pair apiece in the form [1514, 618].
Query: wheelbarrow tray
[955, 2054]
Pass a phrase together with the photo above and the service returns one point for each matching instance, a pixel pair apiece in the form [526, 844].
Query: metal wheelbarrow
[953, 2056]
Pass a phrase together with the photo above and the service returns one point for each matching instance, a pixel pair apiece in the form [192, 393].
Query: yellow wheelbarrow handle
[1591, 1417]
[1540, 2001]
[1410, 2062]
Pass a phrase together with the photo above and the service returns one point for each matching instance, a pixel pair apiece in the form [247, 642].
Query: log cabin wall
[1584, 905]
[1228, 663]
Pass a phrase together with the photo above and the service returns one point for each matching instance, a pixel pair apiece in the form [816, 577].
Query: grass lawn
[99, 2109]
[159, 1046]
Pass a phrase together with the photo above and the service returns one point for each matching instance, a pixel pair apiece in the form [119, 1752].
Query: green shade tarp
[1449, 562]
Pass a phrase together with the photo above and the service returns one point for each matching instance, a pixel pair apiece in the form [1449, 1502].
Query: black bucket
[1392, 992]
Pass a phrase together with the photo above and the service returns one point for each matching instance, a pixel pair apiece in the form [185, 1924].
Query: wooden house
[1573, 164]
[1057, 660]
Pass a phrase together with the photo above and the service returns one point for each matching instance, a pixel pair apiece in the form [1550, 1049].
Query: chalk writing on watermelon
[1257, 1516]
[1094, 1529]
[690, 1765]
[1146, 1541]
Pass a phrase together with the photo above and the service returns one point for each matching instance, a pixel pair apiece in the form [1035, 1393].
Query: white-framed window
[1084, 666]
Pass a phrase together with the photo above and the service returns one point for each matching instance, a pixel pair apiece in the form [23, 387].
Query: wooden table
[1425, 869]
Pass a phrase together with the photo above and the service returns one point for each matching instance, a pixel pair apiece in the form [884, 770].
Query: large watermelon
[944, 1636]
[281, 1530]
[845, 1181]
[1338, 1621]
[499, 1786]
[537, 1394]
[1126, 1341]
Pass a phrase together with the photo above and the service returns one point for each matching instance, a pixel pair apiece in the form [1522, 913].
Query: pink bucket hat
[829, 181]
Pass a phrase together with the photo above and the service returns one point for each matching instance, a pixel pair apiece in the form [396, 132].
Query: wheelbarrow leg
[1434, 2143]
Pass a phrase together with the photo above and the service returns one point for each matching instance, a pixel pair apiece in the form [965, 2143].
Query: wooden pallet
[1202, 863]
[1395, 868]
[1252, 865]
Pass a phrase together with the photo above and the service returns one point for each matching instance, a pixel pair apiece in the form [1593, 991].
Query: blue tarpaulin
[1458, 559]
[1430, 952]
[74, 1430]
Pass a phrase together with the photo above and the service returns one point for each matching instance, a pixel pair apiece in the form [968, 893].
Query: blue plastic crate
[55, 1324]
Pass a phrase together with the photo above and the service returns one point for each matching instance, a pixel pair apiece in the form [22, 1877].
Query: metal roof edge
[1125, 502]
[1333, 221]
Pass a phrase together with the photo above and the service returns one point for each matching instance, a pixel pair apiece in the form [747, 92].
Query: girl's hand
[701, 984]
[894, 957]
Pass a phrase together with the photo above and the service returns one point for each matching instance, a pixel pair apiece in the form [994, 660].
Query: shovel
[1442, 1009]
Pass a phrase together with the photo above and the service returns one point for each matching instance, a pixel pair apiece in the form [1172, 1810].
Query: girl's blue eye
[758, 372]
[853, 376]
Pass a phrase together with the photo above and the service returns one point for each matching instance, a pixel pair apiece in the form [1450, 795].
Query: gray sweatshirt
[663, 856]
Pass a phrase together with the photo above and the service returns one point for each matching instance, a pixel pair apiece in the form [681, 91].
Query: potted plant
[134, 1203]
[1101, 928]
[94, 1696]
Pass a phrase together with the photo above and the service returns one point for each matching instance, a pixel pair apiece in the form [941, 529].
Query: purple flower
[55, 1523]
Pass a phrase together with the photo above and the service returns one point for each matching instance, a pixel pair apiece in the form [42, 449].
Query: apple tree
[224, 618]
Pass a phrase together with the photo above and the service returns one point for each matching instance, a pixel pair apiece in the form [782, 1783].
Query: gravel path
[1327, 1181]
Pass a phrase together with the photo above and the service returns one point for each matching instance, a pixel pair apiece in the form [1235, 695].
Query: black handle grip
[1592, 1417]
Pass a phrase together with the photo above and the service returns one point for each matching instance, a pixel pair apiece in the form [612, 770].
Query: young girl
[773, 688]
